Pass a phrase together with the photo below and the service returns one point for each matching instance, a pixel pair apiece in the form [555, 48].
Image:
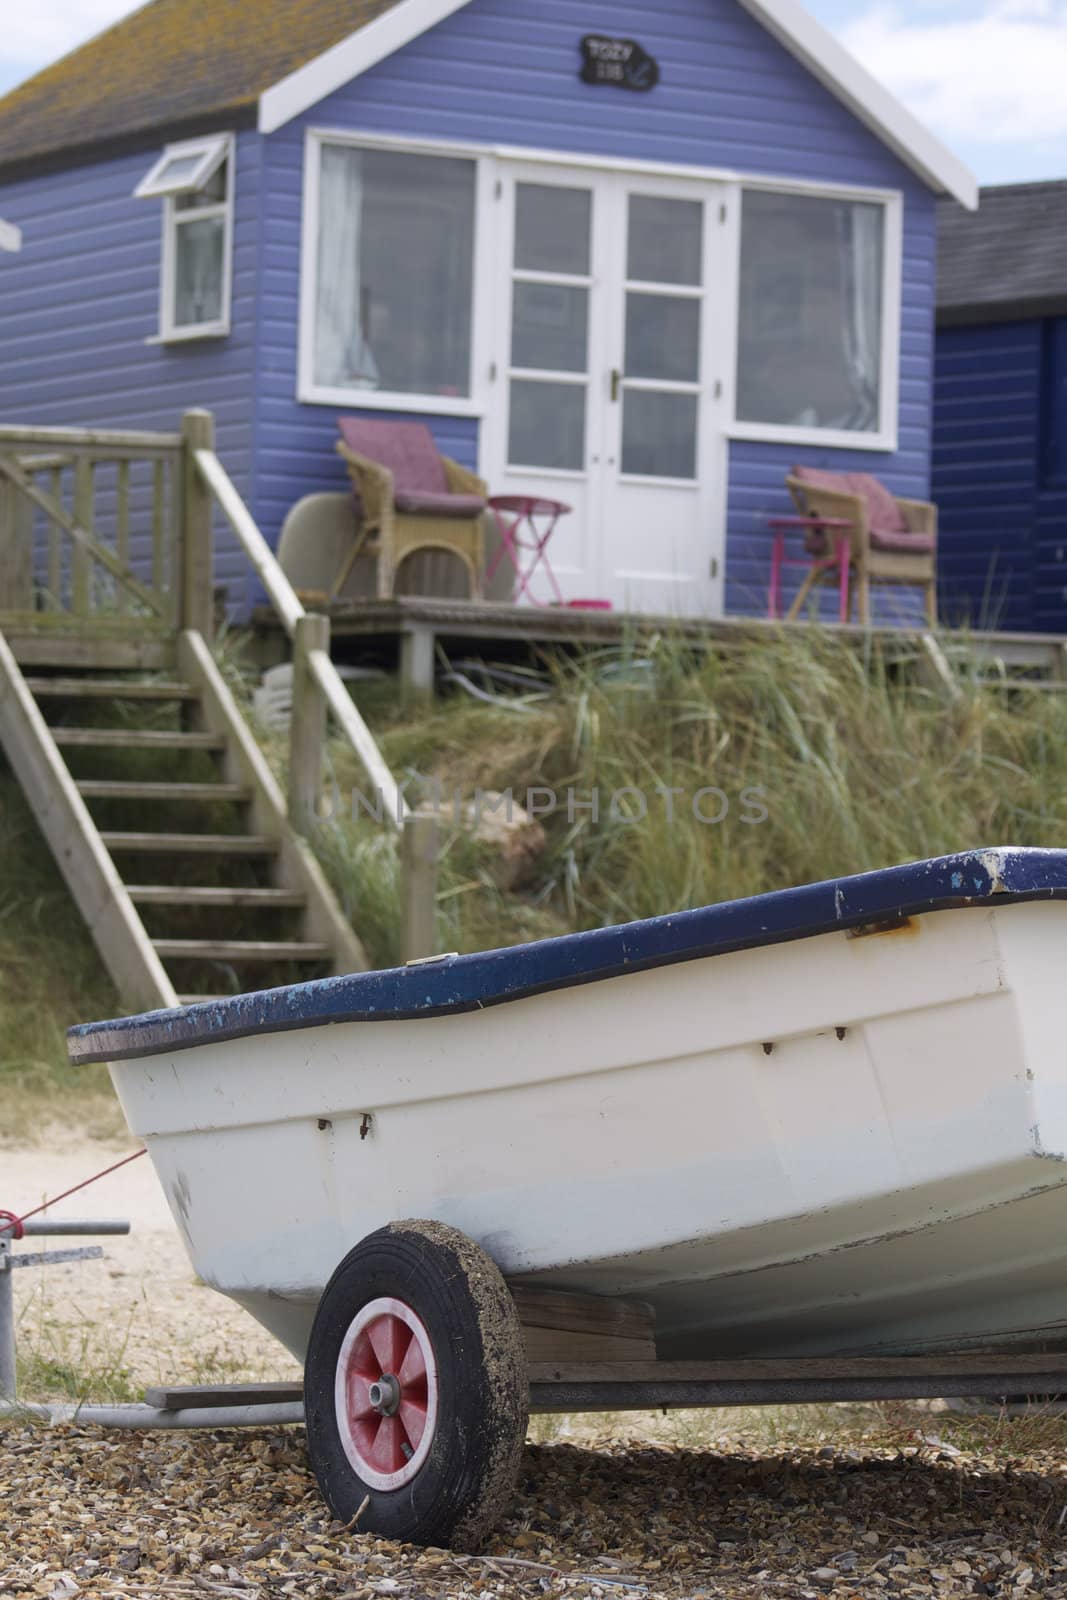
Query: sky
[989, 77]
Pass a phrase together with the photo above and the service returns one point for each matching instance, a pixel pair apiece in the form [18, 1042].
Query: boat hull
[853, 1142]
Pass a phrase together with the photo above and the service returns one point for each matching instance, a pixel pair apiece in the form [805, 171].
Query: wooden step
[239, 950]
[137, 739]
[167, 894]
[194, 844]
[108, 689]
[105, 789]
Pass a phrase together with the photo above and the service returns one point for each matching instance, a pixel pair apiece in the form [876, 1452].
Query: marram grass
[848, 761]
[854, 761]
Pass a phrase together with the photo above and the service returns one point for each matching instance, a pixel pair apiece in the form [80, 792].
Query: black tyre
[415, 1387]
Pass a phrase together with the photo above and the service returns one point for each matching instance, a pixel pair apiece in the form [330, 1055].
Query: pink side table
[815, 560]
[526, 523]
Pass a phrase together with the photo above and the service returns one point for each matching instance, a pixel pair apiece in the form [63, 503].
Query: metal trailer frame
[621, 1386]
[583, 1386]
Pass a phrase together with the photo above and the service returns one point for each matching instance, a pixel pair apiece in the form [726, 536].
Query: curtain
[343, 358]
[198, 274]
[859, 233]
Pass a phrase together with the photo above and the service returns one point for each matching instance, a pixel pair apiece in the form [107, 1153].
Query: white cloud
[47, 29]
[998, 77]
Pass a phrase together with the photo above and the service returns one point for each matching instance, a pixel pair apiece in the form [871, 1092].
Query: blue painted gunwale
[493, 977]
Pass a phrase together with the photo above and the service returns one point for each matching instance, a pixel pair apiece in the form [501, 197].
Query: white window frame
[217, 149]
[212, 153]
[886, 436]
[308, 390]
[488, 285]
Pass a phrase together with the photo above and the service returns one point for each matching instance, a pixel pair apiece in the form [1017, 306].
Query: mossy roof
[170, 64]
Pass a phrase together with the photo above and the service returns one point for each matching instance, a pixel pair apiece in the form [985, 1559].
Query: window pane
[666, 243]
[810, 342]
[662, 337]
[659, 434]
[198, 254]
[552, 228]
[212, 193]
[549, 327]
[547, 425]
[395, 272]
[179, 169]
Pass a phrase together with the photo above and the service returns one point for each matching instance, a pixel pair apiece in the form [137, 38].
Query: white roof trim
[10, 236]
[786, 20]
[353, 56]
[817, 49]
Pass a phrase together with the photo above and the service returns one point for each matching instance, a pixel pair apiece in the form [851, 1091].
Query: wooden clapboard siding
[496, 74]
[80, 302]
[985, 452]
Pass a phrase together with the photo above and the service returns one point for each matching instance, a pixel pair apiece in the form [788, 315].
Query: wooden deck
[413, 626]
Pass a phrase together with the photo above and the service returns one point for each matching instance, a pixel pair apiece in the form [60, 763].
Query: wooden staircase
[192, 879]
[188, 863]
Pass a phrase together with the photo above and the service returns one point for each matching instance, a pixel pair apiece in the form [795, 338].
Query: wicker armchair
[409, 497]
[891, 540]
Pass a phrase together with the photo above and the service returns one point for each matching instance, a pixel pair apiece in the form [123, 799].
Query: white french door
[607, 380]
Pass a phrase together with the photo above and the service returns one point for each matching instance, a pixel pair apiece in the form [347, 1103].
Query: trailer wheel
[416, 1396]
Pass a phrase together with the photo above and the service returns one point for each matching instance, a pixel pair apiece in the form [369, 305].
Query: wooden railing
[97, 535]
[110, 533]
[318, 687]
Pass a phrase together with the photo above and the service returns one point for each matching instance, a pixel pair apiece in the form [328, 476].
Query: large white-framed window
[818, 316]
[405, 268]
[195, 181]
[390, 275]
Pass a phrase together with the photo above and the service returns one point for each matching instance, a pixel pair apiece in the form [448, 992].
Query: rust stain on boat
[906, 926]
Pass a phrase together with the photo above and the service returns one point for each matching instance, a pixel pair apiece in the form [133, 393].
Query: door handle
[616, 382]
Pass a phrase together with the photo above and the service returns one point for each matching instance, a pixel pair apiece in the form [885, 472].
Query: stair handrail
[290, 609]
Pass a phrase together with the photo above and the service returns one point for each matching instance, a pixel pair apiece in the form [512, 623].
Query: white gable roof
[790, 24]
[10, 237]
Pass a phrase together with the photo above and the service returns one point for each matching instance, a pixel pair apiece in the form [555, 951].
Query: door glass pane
[550, 327]
[395, 272]
[810, 335]
[552, 228]
[198, 272]
[663, 337]
[547, 425]
[659, 434]
[666, 240]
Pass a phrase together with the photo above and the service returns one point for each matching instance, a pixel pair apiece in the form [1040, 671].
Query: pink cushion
[406, 448]
[417, 503]
[819, 478]
[904, 544]
[882, 510]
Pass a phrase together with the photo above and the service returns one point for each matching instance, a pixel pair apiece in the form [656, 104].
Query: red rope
[10, 1221]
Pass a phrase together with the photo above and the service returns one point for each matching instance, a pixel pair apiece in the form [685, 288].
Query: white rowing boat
[831, 1120]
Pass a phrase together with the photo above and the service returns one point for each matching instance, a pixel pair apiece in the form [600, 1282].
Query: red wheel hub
[385, 1393]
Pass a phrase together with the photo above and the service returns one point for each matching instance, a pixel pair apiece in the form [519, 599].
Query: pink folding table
[826, 545]
[526, 523]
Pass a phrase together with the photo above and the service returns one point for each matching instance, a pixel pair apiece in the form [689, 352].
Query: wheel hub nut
[384, 1394]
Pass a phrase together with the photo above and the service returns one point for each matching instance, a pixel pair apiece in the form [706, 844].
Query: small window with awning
[194, 180]
[183, 168]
